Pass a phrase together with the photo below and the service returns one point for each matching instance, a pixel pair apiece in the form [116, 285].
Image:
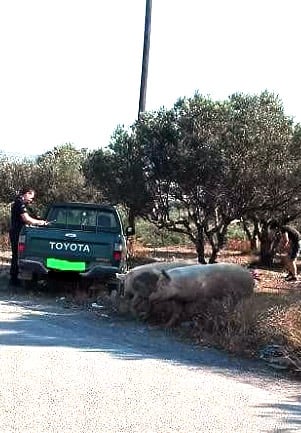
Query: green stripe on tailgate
[65, 265]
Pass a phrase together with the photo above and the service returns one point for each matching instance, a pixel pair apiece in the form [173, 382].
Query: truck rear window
[83, 219]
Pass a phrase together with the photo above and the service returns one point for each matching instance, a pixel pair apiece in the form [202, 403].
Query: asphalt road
[70, 370]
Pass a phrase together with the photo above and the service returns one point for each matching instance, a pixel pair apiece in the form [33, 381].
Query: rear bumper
[31, 266]
[27, 266]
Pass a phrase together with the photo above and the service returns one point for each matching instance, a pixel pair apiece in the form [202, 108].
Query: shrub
[4, 217]
[231, 328]
[235, 231]
[148, 234]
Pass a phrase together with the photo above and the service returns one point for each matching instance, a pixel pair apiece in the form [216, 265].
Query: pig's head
[164, 288]
[146, 282]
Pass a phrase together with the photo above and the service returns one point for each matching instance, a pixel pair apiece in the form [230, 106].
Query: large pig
[142, 280]
[198, 284]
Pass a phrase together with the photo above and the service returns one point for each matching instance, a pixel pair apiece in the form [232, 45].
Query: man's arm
[285, 240]
[27, 219]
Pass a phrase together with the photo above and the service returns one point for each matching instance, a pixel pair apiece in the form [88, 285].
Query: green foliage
[149, 234]
[257, 145]
[217, 161]
[58, 176]
[14, 175]
[236, 231]
[185, 170]
[118, 172]
[4, 217]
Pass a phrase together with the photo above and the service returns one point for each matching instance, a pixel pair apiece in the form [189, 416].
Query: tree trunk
[252, 236]
[132, 219]
[212, 258]
[200, 247]
[253, 244]
[266, 247]
[217, 240]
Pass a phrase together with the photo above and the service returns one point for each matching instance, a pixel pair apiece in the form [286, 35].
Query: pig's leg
[176, 313]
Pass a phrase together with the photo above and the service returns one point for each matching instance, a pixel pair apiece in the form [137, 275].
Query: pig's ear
[165, 274]
[120, 277]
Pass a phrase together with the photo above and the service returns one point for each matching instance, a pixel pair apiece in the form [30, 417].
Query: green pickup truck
[80, 238]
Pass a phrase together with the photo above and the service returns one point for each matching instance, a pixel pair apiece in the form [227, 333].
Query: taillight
[21, 248]
[117, 253]
[21, 244]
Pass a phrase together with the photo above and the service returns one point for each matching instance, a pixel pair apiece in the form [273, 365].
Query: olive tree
[208, 163]
[260, 148]
[185, 170]
[118, 172]
[58, 176]
[14, 174]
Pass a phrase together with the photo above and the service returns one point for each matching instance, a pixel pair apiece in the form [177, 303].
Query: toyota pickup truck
[80, 238]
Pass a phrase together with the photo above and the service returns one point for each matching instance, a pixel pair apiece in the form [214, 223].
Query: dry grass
[4, 243]
[255, 322]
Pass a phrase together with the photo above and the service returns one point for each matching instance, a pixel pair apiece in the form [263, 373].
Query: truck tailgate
[69, 245]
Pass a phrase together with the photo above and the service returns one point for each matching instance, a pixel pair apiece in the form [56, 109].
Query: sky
[71, 69]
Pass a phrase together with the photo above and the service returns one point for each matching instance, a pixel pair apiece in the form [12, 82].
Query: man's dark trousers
[14, 268]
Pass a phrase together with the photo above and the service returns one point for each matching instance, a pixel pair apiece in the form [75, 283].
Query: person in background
[19, 218]
[290, 242]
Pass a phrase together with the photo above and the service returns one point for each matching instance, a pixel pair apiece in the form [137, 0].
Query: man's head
[27, 195]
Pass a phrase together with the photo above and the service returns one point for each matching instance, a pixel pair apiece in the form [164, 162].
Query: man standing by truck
[290, 243]
[20, 217]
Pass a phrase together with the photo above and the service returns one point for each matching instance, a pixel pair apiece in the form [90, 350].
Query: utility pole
[145, 59]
